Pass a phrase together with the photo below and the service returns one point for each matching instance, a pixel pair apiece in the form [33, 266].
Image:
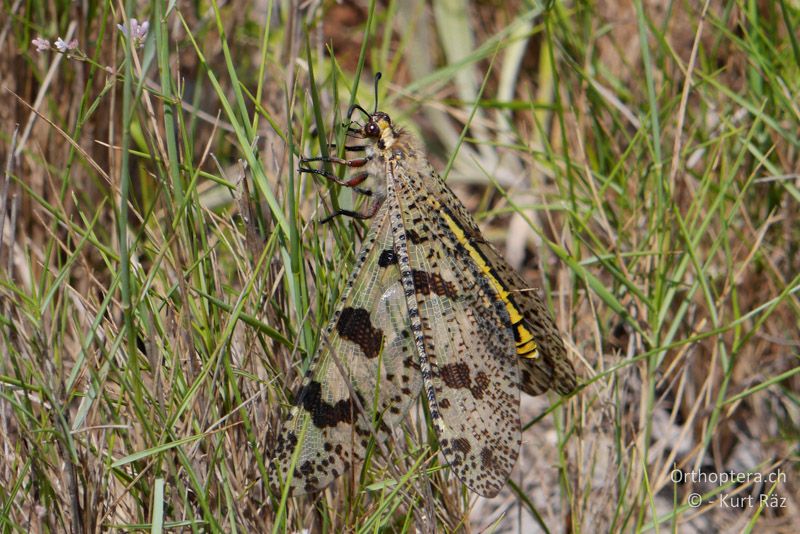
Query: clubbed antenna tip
[377, 79]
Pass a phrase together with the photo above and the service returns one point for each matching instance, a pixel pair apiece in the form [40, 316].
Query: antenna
[377, 78]
[354, 107]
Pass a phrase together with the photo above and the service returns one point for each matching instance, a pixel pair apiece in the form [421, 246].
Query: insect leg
[360, 162]
[354, 214]
[353, 181]
[350, 148]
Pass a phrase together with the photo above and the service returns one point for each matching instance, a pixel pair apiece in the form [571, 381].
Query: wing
[543, 359]
[471, 376]
[367, 350]
[547, 367]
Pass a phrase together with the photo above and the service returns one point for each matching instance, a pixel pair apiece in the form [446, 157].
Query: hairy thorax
[394, 148]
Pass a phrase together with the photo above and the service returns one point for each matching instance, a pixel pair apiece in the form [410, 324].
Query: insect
[430, 306]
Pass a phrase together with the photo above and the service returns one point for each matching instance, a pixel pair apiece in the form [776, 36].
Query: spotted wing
[366, 350]
[543, 360]
[473, 380]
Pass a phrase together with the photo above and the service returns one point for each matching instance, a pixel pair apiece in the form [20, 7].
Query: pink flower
[41, 45]
[137, 33]
[64, 46]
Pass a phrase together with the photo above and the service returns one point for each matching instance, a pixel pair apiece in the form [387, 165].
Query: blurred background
[164, 278]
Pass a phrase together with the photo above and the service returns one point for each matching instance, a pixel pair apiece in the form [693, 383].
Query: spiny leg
[354, 214]
[350, 148]
[352, 182]
[360, 162]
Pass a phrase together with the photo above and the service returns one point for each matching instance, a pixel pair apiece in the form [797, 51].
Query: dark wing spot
[426, 283]
[325, 414]
[355, 325]
[421, 282]
[443, 287]
[415, 238]
[388, 257]
[307, 468]
[462, 445]
[488, 459]
[455, 375]
[481, 385]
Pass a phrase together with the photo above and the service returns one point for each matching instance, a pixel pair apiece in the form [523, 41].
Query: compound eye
[372, 130]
